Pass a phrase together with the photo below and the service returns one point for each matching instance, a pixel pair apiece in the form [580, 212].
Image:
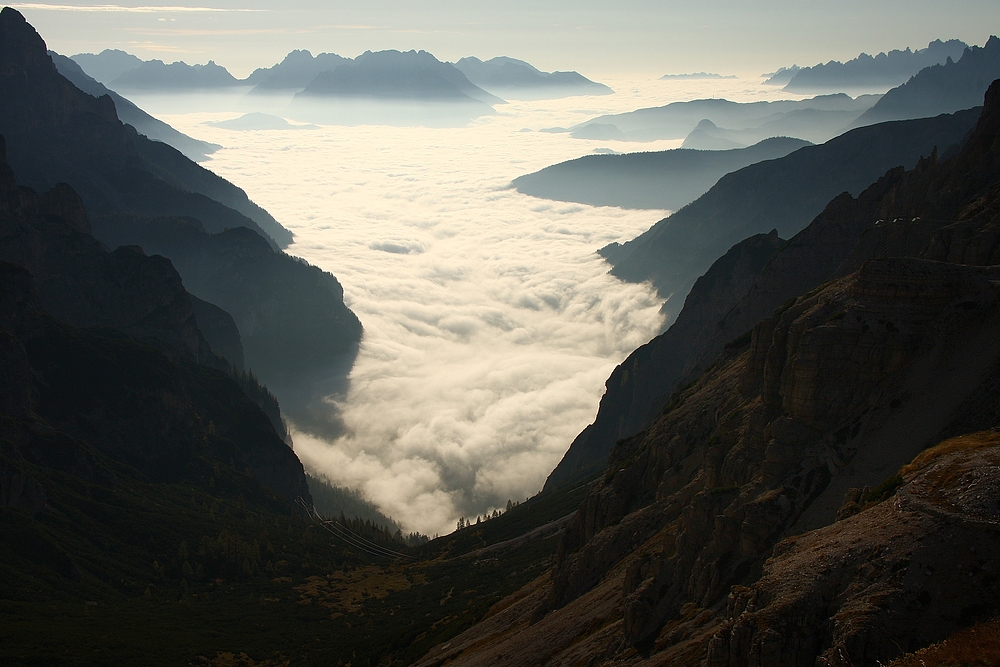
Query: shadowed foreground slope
[769, 514]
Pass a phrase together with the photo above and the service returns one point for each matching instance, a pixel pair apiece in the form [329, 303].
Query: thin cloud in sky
[220, 32]
[120, 8]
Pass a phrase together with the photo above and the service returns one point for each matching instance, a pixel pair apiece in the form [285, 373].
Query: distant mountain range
[678, 119]
[411, 75]
[697, 75]
[517, 80]
[866, 72]
[783, 194]
[129, 113]
[385, 75]
[942, 88]
[294, 73]
[156, 76]
[657, 180]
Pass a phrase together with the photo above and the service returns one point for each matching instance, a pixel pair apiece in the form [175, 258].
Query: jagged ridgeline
[290, 316]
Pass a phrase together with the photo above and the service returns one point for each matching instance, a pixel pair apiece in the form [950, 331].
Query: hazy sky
[598, 38]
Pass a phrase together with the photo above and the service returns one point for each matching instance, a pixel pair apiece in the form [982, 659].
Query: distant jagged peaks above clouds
[412, 75]
[123, 71]
[816, 120]
[867, 72]
[380, 74]
[697, 76]
[295, 72]
[518, 80]
[945, 88]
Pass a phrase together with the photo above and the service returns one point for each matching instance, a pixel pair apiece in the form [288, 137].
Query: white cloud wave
[490, 322]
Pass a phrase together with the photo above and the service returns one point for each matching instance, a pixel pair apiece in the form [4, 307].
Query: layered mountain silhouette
[293, 73]
[394, 88]
[697, 76]
[291, 316]
[783, 194]
[410, 75]
[128, 112]
[886, 70]
[658, 180]
[941, 88]
[816, 493]
[156, 76]
[107, 65]
[676, 120]
[517, 80]
[813, 125]
[781, 76]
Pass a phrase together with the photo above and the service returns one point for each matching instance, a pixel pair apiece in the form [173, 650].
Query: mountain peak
[22, 49]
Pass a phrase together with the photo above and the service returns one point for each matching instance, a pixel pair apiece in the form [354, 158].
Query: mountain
[813, 125]
[780, 77]
[128, 112]
[397, 75]
[156, 76]
[886, 70]
[942, 88]
[107, 65]
[141, 344]
[517, 80]
[256, 121]
[819, 494]
[291, 316]
[659, 180]
[676, 120]
[783, 194]
[294, 72]
[696, 75]
[393, 88]
[713, 316]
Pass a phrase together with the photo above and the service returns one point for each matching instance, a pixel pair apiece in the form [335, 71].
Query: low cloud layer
[490, 322]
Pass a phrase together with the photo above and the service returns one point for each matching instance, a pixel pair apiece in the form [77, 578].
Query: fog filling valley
[490, 322]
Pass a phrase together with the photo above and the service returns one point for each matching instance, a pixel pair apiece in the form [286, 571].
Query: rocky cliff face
[783, 439]
[83, 284]
[147, 405]
[928, 554]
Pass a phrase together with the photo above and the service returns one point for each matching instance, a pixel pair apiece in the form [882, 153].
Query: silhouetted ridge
[157, 76]
[516, 79]
[881, 71]
[663, 179]
[785, 194]
[129, 113]
[943, 88]
[294, 72]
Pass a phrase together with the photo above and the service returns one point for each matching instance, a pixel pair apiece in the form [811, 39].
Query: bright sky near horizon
[597, 38]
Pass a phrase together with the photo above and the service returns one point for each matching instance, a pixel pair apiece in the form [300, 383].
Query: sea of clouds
[490, 322]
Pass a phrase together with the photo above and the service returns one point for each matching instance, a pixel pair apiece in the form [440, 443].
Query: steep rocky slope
[774, 449]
